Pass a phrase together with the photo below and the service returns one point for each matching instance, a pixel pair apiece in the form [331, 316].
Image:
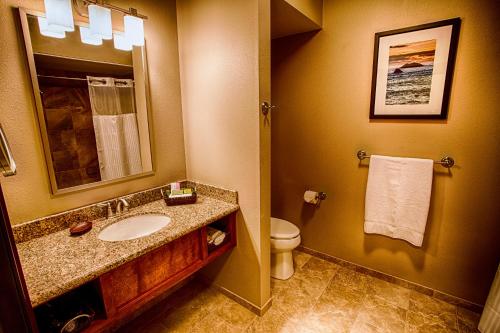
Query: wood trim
[16, 313]
[204, 244]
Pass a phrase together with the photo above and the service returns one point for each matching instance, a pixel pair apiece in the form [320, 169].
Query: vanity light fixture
[60, 19]
[49, 32]
[88, 38]
[100, 22]
[134, 29]
[59, 14]
[121, 42]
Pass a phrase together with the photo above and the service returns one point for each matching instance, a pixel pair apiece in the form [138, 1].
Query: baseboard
[396, 280]
[260, 311]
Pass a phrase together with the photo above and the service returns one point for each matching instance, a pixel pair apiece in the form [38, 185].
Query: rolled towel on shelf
[219, 239]
[215, 236]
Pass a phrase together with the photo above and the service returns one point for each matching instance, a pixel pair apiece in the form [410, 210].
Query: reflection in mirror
[92, 108]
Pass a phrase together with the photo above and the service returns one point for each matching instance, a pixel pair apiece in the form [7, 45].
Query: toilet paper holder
[321, 196]
[318, 197]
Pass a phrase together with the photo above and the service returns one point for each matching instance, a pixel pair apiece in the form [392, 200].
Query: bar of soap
[176, 192]
[188, 191]
[179, 195]
[80, 228]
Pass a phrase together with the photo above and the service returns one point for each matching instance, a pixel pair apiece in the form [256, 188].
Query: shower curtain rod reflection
[77, 78]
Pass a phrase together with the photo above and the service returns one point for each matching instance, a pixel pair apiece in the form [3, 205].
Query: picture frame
[413, 70]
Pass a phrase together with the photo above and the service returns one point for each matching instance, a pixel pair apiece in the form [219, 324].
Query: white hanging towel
[398, 196]
[490, 319]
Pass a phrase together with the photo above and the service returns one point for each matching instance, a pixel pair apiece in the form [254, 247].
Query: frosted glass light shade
[59, 14]
[100, 22]
[134, 29]
[55, 32]
[121, 42]
[87, 37]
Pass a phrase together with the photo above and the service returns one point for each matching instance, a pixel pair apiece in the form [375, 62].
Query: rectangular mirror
[92, 105]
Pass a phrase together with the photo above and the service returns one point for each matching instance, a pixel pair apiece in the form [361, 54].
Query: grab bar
[7, 163]
[446, 161]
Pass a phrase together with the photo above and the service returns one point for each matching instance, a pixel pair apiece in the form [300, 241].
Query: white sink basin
[134, 227]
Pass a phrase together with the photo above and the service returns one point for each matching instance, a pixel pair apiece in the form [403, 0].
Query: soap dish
[181, 200]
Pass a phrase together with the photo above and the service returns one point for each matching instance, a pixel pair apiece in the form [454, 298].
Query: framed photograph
[412, 71]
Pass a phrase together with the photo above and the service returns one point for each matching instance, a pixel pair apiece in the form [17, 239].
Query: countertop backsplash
[50, 224]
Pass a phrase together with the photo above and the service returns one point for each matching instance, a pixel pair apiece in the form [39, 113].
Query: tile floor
[320, 297]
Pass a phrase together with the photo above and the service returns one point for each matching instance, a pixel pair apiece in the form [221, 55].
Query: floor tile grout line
[329, 282]
[406, 322]
[358, 312]
[430, 316]
[456, 319]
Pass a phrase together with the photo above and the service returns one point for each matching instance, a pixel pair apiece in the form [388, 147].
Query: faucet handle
[107, 205]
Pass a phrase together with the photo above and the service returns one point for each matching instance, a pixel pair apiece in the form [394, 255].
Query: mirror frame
[40, 116]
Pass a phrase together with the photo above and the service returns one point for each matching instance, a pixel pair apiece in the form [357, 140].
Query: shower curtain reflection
[115, 125]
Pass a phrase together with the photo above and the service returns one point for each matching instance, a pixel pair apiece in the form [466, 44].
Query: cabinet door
[135, 283]
[168, 261]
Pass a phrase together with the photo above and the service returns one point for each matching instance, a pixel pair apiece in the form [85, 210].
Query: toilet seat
[281, 229]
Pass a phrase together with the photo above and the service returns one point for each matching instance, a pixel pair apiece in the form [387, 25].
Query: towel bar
[446, 161]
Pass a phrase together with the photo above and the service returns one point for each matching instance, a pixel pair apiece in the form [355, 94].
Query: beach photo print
[412, 71]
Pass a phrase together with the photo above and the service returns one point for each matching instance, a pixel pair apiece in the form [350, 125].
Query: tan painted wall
[27, 194]
[219, 58]
[322, 84]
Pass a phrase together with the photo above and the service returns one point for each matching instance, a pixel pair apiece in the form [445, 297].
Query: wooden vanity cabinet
[130, 286]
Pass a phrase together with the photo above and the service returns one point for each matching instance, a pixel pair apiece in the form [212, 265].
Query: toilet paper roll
[311, 197]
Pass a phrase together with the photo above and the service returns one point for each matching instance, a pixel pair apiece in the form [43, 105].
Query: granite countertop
[56, 263]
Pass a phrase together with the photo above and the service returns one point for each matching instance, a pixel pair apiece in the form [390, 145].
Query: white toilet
[285, 237]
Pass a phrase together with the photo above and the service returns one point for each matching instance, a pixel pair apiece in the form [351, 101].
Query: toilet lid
[283, 229]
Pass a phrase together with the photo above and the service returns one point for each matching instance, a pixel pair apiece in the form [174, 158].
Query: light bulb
[100, 22]
[59, 15]
[121, 42]
[134, 29]
[49, 32]
[87, 37]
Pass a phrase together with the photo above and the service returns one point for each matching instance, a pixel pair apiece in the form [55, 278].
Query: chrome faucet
[121, 206]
